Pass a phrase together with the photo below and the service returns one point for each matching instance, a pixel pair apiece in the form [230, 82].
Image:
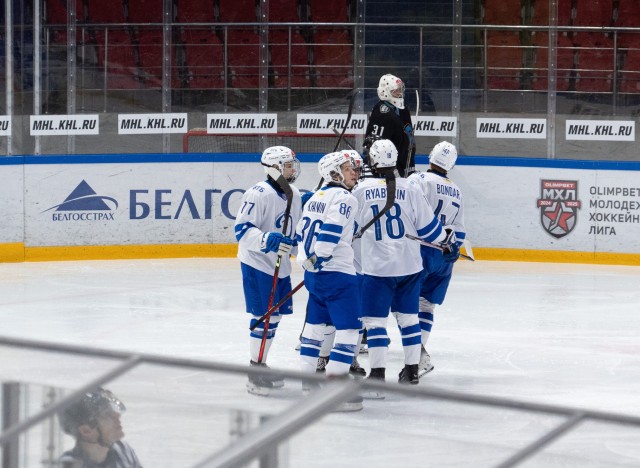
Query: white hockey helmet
[330, 166]
[357, 160]
[382, 154]
[283, 158]
[444, 155]
[391, 89]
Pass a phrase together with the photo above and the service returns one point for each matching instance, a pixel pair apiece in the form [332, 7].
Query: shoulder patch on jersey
[384, 109]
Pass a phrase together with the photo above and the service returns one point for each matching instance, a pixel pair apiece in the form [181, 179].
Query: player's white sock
[329, 337]
[378, 344]
[255, 337]
[411, 337]
[342, 352]
[426, 319]
[310, 346]
[359, 343]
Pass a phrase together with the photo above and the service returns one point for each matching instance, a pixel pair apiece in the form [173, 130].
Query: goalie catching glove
[314, 263]
[276, 242]
[450, 248]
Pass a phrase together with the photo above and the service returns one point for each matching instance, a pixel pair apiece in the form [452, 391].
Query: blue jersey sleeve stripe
[332, 228]
[460, 235]
[428, 228]
[241, 229]
[434, 235]
[323, 237]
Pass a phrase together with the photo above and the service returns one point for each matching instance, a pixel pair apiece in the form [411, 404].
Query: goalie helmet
[330, 166]
[383, 154]
[283, 158]
[391, 89]
[87, 409]
[444, 155]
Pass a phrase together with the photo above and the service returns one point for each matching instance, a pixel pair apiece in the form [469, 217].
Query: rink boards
[184, 205]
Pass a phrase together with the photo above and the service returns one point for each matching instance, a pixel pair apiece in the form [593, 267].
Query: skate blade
[423, 372]
[373, 396]
[348, 408]
[256, 390]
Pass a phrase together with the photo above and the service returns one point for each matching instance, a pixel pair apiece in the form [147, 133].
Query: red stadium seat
[99, 11]
[333, 58]
[195, 11]
[630, 73]
[329, 11]
[628, 15]
[594, 70]
[146, 11]
[119, 59]
[204, 59]
[502, 12]
[150, 56]
[238, 11]
[593, 13]
[540, 14]
[300, 70]
[244, 58]
[284, 11]
[55, 14]
[504, 61]
[564, 64]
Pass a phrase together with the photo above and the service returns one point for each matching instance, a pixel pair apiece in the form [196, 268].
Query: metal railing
[305, 413]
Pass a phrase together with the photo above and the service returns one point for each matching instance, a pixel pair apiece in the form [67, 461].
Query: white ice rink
[559, 334]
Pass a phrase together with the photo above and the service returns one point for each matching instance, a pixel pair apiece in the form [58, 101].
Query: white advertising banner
[611, 130]
[11, 203]
[78, 124]
[152, 123]
[435, 126]
[242, 123]
[323, 124]
[513, 207]
[511, 128]
[5, 125]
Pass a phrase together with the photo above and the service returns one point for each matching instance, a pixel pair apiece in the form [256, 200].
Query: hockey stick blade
[435, 246]
[272, 309]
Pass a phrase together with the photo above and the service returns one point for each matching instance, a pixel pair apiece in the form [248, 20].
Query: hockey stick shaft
[272, 309]
[391, 199]
[435, 246]
[286, 188]
[417, 103]
[352, 101]
[337, 132]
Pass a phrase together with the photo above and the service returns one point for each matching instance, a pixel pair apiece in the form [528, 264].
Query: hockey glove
[314, 263]
[451, 253]
[275, 242]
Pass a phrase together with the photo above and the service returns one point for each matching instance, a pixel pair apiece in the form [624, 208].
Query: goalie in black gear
[391, 120]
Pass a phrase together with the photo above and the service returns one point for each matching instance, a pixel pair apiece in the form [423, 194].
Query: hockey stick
[435, 246]
[272, 309]
[286, 188]
[352, 101]
[391, 199]
[337, 132]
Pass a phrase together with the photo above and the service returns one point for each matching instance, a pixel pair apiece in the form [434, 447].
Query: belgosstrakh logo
[559, 206]
[84, 204]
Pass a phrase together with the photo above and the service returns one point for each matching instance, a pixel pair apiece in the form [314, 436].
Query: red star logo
[559, 217]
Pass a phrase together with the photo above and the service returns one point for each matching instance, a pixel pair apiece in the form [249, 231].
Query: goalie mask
[391, 89]
[88, 409]
[383, 154]
[284, 159]
[444, 155]
[330, 167]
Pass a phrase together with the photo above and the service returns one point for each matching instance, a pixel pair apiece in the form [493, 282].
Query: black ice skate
[322, 364]
[409, 375]
[376, 374]
[263, 384]
[355, 369]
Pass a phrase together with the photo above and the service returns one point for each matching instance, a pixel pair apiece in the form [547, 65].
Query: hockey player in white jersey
[445, 198]
[324, 236]
[258, 230]
[391, 263]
